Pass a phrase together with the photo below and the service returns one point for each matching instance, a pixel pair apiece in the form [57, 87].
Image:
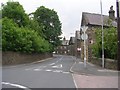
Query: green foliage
[51, 26]
[21, 39]
[110, 43]
[33, 24]
[15, 11]
[24, 34]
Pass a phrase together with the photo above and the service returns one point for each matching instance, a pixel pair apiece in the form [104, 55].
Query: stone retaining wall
[109, 63]
[12, 58]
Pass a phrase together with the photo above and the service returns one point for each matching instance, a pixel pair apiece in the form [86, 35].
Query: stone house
[71, 47]
[77, 44]
[63, 49]
[93, 21]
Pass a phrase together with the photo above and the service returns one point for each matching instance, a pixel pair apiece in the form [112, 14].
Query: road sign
[84, 28]
[84, 36]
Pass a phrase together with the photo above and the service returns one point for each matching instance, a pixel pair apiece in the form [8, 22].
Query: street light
[103, 61]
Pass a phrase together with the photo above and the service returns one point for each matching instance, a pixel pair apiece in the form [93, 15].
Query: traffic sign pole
[84, 37]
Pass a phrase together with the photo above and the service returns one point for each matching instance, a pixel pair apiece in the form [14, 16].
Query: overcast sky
[69, 11]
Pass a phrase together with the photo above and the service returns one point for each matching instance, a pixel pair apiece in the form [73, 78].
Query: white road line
[48, 70]
[15, 85]
[57, 66]
[40, 67]
[66, 72]
[57, 71]
[37, 69]
[52, 64]
[74, 81]
[105, 70]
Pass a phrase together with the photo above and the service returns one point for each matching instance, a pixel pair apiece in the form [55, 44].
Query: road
[58, 72]
[51, 73]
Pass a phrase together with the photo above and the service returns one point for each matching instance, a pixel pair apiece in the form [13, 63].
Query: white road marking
[74, 81]
[52, 64]
[15, 85]
[57, 71]
[37, 69]
[48, 70]
[57, 66]
[66, 72]
[40, 67]
[105, 70]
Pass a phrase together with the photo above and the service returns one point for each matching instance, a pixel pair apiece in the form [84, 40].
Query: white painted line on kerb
[105, 70]
[15, 85]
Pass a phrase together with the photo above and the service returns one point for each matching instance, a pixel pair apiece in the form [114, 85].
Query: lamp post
[118, 29]
[103, 61]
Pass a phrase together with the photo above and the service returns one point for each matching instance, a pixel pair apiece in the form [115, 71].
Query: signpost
[84, 37]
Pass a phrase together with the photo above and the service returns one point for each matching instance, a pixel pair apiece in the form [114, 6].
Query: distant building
[72, 46]
[63, 48]
[93, 21]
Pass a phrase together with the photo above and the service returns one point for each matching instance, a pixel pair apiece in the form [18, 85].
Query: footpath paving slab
[94, 76]
[83, 81]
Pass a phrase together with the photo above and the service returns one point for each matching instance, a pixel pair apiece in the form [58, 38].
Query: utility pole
[118, 29]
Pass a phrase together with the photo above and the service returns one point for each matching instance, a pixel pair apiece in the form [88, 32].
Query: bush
[21, 39]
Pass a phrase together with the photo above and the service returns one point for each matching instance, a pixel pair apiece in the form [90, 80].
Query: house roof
[77, 34]
[95, 19]
[72, 40]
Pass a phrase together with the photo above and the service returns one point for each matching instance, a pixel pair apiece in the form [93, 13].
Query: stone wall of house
[109, 63]
[12, 58]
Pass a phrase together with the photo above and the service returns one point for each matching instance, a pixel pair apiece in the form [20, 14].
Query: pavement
[91, 69]
[93, 76]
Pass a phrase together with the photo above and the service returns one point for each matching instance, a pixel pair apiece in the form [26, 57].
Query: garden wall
[12, 58]
[109, 63]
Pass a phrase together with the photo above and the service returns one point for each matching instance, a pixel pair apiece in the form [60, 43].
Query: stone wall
[12, 58]
[109, 63]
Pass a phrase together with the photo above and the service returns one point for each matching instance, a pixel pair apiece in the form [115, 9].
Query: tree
[21, 39]
[110, 43]
[51, 26]
[15, 11]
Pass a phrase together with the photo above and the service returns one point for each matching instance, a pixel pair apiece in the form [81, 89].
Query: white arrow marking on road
[15, 85]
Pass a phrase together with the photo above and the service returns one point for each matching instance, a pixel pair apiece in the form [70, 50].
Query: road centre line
[40, 67]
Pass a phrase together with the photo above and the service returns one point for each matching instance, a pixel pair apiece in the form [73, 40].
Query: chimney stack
[111, 13]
